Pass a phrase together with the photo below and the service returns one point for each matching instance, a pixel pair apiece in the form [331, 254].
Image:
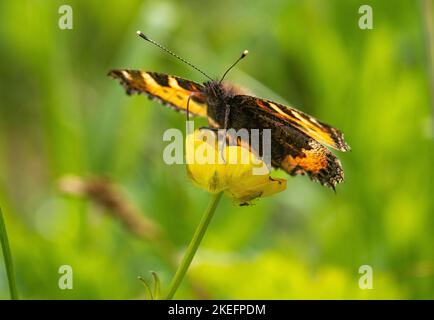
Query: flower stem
[8, 259]
[194, 245]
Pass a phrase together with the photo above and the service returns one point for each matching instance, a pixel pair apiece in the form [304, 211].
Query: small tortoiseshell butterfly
[297, 138]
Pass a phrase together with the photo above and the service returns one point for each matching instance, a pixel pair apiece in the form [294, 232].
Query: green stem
[8, 259]
[194, 244]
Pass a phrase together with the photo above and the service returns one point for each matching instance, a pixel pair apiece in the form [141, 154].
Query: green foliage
[60, 114]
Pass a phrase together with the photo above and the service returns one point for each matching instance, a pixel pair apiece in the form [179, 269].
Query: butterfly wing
[307, 124]
[314, 160]
[292, 149]
[169, 90]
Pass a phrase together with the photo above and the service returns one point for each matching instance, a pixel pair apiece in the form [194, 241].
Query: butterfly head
[214, 91]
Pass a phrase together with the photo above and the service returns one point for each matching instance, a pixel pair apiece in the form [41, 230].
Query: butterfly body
[296, 138]
[217, 100]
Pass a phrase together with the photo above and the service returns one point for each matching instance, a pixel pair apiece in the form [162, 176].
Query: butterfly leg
[188, 106]
[191, 95]
[227, 113]
[221, 139]
[225, 127]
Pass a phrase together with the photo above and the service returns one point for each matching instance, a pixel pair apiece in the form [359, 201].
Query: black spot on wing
[187, 84]
[161, 78]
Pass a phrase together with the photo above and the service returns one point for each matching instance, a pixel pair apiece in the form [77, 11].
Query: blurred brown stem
[109, 196]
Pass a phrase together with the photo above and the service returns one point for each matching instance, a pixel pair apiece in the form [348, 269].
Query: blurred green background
[60, 114]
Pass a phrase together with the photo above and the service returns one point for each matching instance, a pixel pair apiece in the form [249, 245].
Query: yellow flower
[240, 173]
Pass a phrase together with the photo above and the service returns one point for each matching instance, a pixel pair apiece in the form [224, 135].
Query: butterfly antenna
[143, 36]
[243, 55]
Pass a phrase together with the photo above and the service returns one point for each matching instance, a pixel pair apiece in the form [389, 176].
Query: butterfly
[298, 140]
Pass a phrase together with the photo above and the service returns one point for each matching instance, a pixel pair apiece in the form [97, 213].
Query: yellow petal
[234, 174]
[256, 187]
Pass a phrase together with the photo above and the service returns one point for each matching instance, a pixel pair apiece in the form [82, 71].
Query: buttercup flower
[234, 170]
[240, 174]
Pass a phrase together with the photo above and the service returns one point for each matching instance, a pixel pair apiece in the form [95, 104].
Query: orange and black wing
[314, 160]
[169, 90]
[307, 124]
[292, 149]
